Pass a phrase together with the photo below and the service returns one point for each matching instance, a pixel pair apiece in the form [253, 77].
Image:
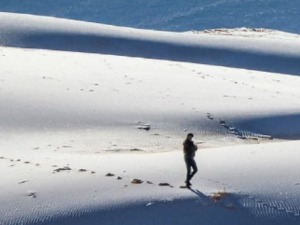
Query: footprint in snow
[67, 146]
[143, 126]
[110, 175]
[165, 185]
[209, 116]
[66, 168]
[23, 181]
[32, 194]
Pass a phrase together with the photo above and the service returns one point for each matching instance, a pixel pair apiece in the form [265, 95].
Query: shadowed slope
[48, 33]
[200, 210]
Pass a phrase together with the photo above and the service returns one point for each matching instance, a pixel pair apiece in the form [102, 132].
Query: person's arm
[185, 147]
[195, 147]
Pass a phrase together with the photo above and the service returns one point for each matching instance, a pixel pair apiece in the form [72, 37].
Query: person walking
[189, 150]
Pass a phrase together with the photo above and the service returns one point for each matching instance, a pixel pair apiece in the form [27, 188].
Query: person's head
[190, 136]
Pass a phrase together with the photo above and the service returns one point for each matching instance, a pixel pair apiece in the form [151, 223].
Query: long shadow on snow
[278, 126]
[135, 47]
[199, 210]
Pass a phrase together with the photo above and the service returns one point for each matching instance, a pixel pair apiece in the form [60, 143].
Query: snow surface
[73, 110]
[266, 54]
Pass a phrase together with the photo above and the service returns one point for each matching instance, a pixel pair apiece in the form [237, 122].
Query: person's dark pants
[190, 164]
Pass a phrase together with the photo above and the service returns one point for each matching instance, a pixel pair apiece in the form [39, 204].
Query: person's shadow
[202, 197]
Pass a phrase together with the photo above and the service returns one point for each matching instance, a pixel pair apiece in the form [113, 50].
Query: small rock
[109, 175]
[119, 178]
[136, 181]
[93, 172]
[149, 182]
[219, 195]
[82, 170]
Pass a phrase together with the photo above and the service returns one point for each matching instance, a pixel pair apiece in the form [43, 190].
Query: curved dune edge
[58, 34]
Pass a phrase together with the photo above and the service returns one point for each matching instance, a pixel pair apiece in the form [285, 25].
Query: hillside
[171, 15]
[93, 118]
[255, 53]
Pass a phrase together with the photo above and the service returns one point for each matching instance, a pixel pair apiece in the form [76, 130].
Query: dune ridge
[60, 34]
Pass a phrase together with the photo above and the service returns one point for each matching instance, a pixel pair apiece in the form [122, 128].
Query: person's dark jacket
[189, 148]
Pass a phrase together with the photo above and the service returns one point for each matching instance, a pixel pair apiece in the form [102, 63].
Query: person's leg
[188, 170]
[194, 166]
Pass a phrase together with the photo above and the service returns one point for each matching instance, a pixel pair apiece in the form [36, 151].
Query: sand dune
[96, 138]
[252, 53]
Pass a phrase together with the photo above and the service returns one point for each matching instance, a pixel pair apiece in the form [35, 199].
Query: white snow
[74, 94]
[265, 54]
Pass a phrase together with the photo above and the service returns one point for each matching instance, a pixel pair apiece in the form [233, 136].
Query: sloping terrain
[172, 15]
[74, 94]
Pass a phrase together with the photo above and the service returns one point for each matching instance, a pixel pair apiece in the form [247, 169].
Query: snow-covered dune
[171, 15]
[86, 109]
[263, 54]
